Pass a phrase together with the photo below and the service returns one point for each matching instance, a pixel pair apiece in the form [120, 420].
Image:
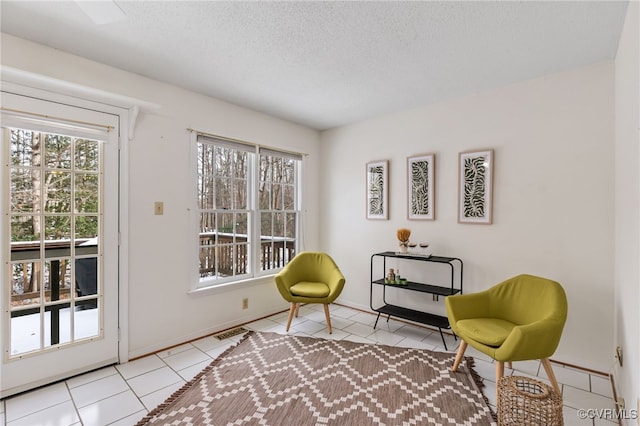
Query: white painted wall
[553, 195]
[627, 207]
[161, 313]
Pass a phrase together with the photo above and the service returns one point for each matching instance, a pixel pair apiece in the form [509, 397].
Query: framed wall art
[378, 190]
[421, 187]
[475, 187]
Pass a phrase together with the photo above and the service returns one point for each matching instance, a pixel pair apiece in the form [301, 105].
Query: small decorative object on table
[391, 277]
[403, 235]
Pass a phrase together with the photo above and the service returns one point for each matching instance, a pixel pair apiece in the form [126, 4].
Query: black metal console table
[422, 317]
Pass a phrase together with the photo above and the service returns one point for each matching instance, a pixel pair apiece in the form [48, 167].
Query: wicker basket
[524, 401]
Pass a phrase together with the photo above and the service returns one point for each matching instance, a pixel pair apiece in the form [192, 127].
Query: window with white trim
[248, 209]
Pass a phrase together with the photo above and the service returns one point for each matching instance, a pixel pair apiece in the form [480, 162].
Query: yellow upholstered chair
[519, 319]
[310, 277]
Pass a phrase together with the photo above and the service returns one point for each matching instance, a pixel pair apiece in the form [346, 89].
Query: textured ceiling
[325, 64]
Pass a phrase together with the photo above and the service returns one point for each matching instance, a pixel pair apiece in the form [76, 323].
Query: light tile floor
[123, 394]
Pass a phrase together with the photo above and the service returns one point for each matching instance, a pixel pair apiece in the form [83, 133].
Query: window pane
[86, 227]
[25, 284]
[205, 192]
[57, 316]
[207, 258]
[290, 225]
[25, 147]
[266, 242]
[290, 232]
[223, 191]
[289, 170]
[266, 223]
[264, 201]
[242, 224]
[289, 197]
[241, 164]
[86, 193]
[240, 193]
[23, 194]
[205, 159]
[87, 155]
[207, 243]
[25, 333]
[25, 228]
[242, 243]
[57, 227]
[225, 227]
[58, 192]
[276, 197]
[207, 223]
[57, 280]
[86, 321]
[86, 276]
[278, 225]
[223, 161]
[58, 151]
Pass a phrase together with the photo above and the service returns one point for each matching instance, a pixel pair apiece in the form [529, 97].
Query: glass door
[59, 241]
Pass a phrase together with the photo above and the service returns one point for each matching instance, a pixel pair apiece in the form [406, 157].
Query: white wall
[553, 195]
[161, 313]
[627, 207]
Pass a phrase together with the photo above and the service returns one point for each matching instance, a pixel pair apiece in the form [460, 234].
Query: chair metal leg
[326, 314]
[460, 355]
[552, 377]
[292, 310]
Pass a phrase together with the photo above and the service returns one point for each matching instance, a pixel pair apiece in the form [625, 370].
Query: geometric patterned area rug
[275, 379]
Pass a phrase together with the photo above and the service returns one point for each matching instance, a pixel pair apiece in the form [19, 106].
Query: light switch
[158, 208]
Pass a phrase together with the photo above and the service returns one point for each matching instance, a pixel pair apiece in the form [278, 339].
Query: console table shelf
[423, 288]
[455, 265]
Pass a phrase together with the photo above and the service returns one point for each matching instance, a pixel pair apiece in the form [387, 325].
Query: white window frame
[199, 284]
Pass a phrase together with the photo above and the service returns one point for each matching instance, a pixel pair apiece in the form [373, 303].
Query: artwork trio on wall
[475, 187]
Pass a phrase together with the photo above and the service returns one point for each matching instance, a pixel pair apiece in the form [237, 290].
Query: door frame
[48, 89]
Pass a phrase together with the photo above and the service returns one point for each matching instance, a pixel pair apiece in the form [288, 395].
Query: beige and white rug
[274, 379]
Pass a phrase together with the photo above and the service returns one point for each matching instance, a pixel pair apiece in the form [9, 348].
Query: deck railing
[28, 281]
[232, 255]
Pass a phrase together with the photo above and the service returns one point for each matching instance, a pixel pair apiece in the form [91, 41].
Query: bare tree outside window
[248, 210]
